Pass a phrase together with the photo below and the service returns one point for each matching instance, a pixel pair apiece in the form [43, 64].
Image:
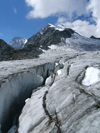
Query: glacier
[64, 105]
[58, 92]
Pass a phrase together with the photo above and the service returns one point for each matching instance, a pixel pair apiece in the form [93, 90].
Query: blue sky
[23, 18]
[13, 21]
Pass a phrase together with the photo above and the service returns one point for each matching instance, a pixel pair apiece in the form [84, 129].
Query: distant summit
[18, 42]
[49, 35]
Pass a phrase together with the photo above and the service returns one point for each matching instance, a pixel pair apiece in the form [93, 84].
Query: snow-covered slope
[18, 42]
[62, 36]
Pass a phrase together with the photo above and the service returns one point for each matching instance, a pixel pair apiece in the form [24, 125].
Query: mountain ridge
[52, 35]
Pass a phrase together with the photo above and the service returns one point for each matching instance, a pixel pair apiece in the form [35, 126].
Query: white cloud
[82, 27]
[15, 10]
[94, 7]
[46, 8]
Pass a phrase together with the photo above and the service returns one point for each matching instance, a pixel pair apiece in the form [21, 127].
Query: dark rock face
[26, 53]
[48, 36]
[4, 49]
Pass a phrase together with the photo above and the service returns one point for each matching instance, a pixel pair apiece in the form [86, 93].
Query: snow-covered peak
[58, 27]
[18, 42]
[50, 25]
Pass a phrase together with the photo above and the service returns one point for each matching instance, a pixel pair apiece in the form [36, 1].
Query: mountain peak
[18, 42]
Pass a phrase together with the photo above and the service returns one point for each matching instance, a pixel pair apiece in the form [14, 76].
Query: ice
[59, 72]
[92, 76]
[33, 112]
[65, 99]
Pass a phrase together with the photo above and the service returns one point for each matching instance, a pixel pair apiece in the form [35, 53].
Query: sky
[24, 18]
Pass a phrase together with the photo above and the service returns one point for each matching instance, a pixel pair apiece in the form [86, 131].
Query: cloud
[15, 10]
[68, 13]
[46, 8]
[82, 27]
[94, 7]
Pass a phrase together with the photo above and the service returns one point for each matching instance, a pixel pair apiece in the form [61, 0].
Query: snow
[58, 27]
[48, 81]
[26, 100]
[25, 41]
[92, 76]
[56, 64]
[82, 43]
[59, 72]
[53, 47]
[18, 42]
[51, 25]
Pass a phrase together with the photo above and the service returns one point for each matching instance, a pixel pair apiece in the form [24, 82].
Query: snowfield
[92, 76]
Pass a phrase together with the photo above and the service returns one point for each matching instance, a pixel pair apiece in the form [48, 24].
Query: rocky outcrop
[5, 49]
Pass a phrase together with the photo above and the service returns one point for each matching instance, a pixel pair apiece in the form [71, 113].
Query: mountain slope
[49, 35]
[62, 36]
[5, 49]
[52, 36]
